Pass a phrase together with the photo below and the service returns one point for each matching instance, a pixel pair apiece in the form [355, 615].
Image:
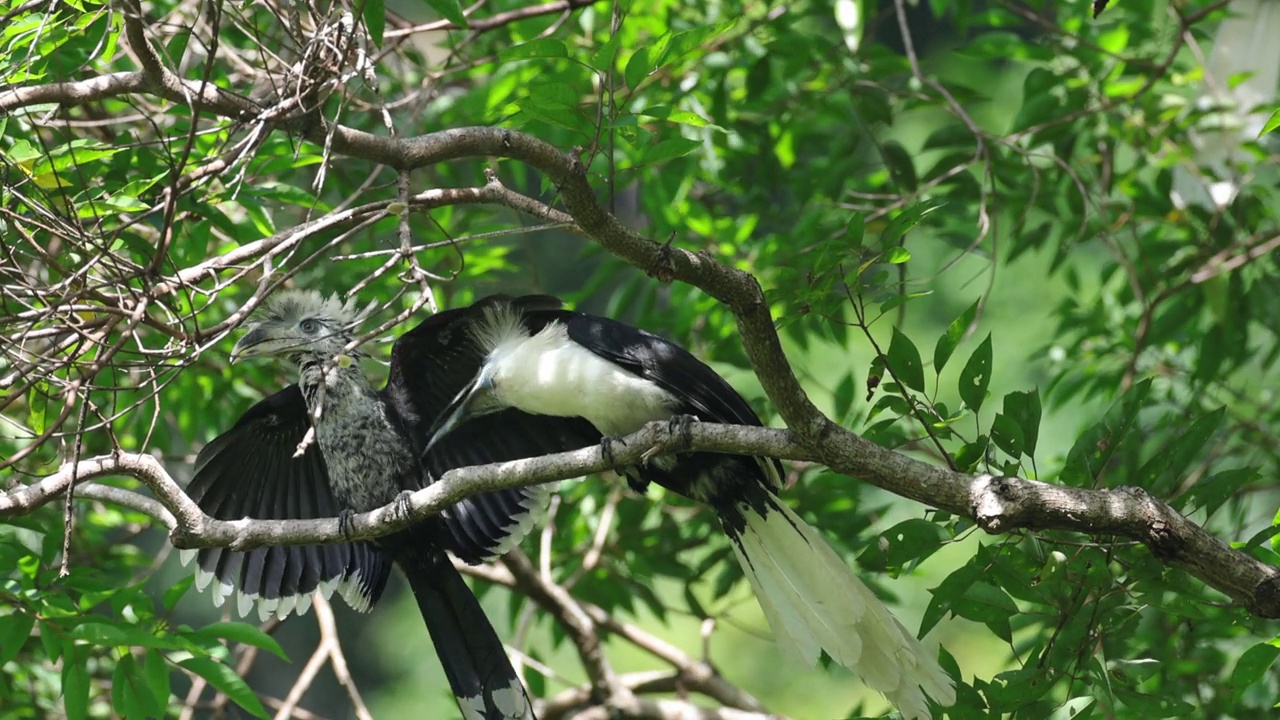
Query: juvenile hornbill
[569, 365]
[368, 447]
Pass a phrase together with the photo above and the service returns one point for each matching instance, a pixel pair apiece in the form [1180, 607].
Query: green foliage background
[996, 219]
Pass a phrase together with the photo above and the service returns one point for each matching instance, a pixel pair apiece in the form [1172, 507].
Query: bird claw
[606, 448]
[403, 506]
[344, 522]
[682, 426]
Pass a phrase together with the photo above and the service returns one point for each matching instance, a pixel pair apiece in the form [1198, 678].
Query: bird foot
[682, 426]
[403, 506]
[679, 436]
[344, 522]
[606, 448]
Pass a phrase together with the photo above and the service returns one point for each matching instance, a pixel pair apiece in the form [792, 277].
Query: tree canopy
[1000, 275]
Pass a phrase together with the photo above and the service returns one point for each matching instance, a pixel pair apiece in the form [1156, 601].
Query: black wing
[250, 471]
[700, 390]
[430, 366]
[707, 395]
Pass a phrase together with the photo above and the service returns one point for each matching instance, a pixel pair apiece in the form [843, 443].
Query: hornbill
[367, 449]
[572, 366]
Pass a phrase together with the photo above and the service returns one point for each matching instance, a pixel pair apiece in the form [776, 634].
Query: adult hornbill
[368, 447]
[553, 362]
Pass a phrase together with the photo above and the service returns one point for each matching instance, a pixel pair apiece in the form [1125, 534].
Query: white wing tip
[352, 591]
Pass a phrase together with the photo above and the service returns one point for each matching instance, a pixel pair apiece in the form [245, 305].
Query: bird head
[297, 323]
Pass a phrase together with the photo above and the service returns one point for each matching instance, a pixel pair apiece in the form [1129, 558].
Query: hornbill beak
[463, 408]
[256, 342]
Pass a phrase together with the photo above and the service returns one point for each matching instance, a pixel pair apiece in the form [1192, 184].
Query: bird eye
[310, 326]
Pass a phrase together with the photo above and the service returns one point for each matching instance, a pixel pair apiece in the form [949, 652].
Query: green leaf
[990, 605]
[1253, 666]
[971, 454]
[1152, 706]
[897, 255]
[639, 66]
[607, 55]
[242, 633]
[130, 695]
[854, 232]
[540, 48]
[119, 635]
[683, 117]
[1213, 491]
[226, 680]
[1007, 435]
[976, 376]
[450, 10]
[1023, 409]
[669, 150]
[948, 593]
[15, 630]
[905, 362]
[683, 43]
[1040, 102]
[1094, 448]
[1166, 468]
[951, 338]
[75, 685]
[375, 19]
[1272, 123]
[902, 168]
[155, 670]
[905, 220]
[37, 405]
[175, 593]
[903, 545]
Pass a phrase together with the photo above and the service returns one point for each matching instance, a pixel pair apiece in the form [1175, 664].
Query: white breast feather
[549, 374]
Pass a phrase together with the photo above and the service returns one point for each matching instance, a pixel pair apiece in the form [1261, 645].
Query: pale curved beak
[255, 342]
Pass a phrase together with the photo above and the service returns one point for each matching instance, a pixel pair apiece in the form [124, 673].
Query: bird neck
[324, 381]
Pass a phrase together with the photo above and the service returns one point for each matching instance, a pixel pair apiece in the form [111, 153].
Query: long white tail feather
[779, 602]
[814, 603]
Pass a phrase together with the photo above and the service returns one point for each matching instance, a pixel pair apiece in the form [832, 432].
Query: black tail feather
[480, 675]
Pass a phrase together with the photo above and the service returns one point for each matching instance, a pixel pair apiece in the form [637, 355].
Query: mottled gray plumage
[366, 455]
[333, 444]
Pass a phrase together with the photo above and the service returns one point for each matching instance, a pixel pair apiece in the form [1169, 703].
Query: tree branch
[998, 504]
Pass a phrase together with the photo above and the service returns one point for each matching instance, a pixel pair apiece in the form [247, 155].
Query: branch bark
[997, 504]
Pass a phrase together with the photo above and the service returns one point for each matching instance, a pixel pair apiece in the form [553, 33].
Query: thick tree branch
[999, 505]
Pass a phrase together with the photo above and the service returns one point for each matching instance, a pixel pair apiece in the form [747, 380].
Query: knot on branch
[185, 535]
[1266, 598]
[1161, 537]
[993, 502]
